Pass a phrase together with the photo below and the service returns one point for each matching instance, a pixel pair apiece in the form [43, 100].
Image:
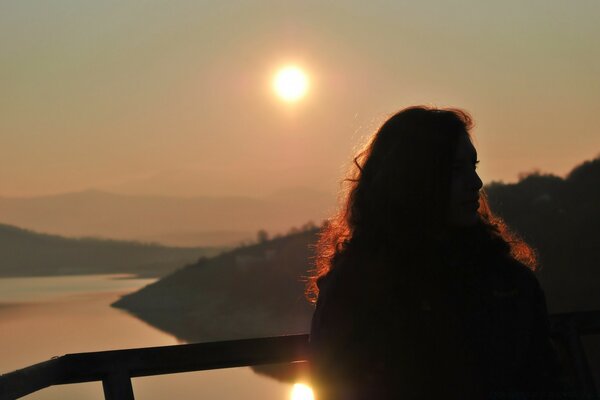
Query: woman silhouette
[421, 291]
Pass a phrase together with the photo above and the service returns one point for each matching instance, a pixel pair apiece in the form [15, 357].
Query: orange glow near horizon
[290, 83]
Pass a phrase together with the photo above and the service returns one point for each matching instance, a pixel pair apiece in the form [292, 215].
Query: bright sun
[290, 83]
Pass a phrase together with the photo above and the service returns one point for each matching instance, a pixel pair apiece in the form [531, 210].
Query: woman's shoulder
[517, 275]
[338, 282]
[523, 272]
[352, 293]
[337, 317]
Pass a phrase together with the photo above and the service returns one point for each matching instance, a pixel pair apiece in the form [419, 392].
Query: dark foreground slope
[249, 292]
[27, 253]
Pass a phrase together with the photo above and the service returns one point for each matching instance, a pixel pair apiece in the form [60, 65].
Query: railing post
[582, 367]
[117, 386]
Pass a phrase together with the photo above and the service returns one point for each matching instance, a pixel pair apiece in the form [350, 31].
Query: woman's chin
[464, 220]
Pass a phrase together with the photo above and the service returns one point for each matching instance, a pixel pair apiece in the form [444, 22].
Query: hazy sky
[174, 97]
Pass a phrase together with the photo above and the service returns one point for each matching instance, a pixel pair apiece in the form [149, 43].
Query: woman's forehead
[465, 149]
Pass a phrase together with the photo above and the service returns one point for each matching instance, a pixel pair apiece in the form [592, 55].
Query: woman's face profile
[465, 185]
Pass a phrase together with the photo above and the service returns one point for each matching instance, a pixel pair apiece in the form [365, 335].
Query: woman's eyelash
[465, 165]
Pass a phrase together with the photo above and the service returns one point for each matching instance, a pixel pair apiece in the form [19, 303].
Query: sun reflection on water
[301, 391]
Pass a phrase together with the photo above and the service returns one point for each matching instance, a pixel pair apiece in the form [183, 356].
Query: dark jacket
[480, 332]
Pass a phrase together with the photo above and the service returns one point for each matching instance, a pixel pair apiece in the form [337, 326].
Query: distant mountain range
[26, 253]
[193, 221]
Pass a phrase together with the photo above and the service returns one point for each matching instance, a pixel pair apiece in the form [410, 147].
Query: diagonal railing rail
[115, 368]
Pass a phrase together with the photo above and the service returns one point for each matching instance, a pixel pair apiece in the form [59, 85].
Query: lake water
[44, 317]
[51, 316]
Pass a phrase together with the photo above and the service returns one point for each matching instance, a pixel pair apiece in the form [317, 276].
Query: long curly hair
[397, 195]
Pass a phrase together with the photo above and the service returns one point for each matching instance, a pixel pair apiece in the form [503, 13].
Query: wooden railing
[116, 368]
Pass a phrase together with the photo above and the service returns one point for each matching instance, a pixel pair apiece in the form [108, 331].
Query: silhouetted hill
[26, 253]
[175, 221]
[258, 290]
[252, 291]
[561, 219]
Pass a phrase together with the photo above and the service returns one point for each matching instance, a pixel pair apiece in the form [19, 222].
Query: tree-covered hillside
[252, 291]
[561, 219]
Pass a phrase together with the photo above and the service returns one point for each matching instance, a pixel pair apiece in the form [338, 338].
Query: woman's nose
[475, 182]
